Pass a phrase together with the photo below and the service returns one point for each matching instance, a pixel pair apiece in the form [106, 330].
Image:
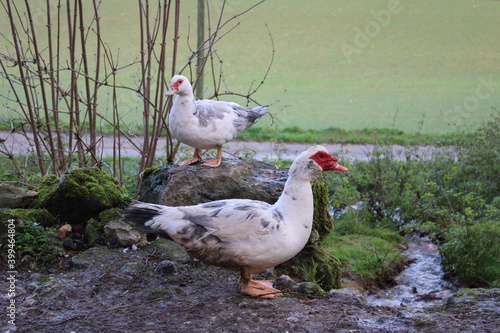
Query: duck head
[312, 162]
[326, 161]
[179, 85]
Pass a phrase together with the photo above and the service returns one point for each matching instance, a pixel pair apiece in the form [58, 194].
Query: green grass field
[426, 66]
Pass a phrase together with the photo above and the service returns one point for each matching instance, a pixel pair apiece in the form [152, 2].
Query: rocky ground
[160, 289]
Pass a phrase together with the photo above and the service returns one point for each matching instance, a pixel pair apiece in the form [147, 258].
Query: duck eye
[179, 82]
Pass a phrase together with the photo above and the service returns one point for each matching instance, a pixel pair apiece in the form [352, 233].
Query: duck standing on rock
[206, 124]
[247, 236]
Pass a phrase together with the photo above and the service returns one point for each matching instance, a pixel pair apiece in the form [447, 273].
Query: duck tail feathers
[141, 212]
[261, 110]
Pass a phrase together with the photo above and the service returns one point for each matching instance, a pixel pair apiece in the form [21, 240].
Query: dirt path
[19, 144]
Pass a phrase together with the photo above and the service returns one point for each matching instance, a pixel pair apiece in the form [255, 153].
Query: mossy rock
[80, 194]
[313, 262]
[94, 229]
[40, 216]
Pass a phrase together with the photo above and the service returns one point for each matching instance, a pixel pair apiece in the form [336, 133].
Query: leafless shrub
[56, 93]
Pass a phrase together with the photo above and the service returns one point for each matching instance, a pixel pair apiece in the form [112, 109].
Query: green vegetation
[338, 135]
[39, 216]
[42, 244]
[366, 253]
[85, 192]
[454, 200]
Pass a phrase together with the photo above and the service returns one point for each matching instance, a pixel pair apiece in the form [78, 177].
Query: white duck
[244, 235]
[206, 124]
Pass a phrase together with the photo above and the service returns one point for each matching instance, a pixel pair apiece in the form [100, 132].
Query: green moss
[80, 194]
[110, 215]
[322, 220]
[171, 250]
[41, 216]
[157, 293]
[147, 172]
[94, 252]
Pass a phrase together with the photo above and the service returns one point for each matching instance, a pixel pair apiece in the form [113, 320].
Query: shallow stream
[421, 284]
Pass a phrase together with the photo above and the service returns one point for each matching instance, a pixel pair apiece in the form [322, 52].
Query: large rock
[80, 194]
[177, 186]
[248, 179]
[15, 197]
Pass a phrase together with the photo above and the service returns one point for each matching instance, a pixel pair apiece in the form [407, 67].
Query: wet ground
[144, 290]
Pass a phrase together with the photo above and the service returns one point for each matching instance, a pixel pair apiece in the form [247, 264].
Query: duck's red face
[174, 87]
[327, 161]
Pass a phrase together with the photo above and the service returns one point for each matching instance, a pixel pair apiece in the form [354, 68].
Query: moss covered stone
[80, 194]
[94, 229]
[40, 216]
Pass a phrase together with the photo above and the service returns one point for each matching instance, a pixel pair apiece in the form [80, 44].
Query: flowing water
[421, 284]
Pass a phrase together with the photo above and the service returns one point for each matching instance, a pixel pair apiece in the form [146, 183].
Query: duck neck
[184, 102]
[296, 201]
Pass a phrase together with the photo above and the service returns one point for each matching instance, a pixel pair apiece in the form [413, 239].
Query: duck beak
[333, 165]
[339, 167]
[171, 91]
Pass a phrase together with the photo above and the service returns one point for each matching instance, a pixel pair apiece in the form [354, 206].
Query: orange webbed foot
[262, 289]
[212, 163]
[196, 157]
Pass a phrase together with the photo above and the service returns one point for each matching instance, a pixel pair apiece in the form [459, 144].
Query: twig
[135, 304]
[337, 320]
[64, 321]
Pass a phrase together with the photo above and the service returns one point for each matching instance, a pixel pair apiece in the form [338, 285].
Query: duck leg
[214, 163]
[196, 157]
[255, 288]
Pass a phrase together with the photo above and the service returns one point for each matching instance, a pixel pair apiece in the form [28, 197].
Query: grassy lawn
[426, 66]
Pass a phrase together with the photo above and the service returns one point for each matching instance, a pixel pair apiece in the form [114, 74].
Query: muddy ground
[145, 290]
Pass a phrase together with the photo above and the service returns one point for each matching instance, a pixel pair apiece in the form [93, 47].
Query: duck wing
[209, 113]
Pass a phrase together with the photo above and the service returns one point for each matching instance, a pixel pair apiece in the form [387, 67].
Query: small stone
[131, 268]
[309, 288]
[165, 268]
[80, 263]
[171, 250]
[121, 233]
[53, 287]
